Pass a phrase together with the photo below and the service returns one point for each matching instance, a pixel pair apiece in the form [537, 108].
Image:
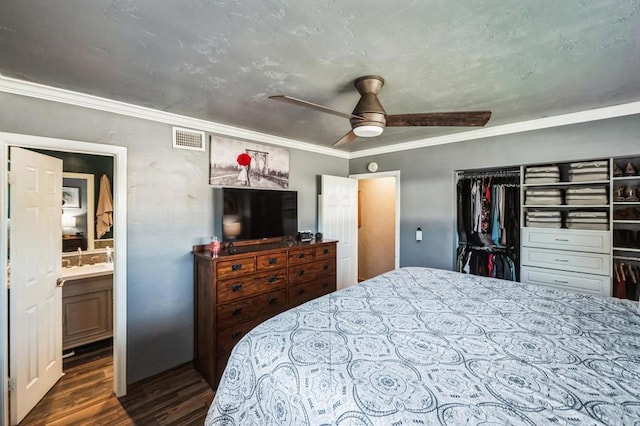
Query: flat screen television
[250, 214]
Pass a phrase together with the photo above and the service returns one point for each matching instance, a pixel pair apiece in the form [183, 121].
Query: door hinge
[10, 385]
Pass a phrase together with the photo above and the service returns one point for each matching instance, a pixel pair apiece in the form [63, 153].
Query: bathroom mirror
[78, 211]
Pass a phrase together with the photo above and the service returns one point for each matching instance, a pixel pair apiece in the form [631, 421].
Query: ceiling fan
[368, 118]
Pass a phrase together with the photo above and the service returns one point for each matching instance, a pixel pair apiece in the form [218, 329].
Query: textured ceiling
[219, 60]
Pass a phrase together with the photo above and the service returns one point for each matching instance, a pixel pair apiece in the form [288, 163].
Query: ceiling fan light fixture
[367, 131]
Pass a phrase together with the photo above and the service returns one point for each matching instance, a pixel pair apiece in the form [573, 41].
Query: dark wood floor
[84, 396]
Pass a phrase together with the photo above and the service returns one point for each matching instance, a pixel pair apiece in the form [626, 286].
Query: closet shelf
[626, 203]
[635, 250]
[625, 178]
[565, 184]
[567, 206]
[627, 221]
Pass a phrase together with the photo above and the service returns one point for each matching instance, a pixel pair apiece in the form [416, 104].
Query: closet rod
[488, 173]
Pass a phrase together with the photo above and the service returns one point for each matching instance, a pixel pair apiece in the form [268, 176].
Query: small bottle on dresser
[214, 246]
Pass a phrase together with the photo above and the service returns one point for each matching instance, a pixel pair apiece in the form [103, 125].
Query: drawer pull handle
[300, 273]
[301, 291]
[326, 251]
[300, 255]
[273, 279]
[325, 285]
[325, 267]
[272, 260]
[236, 266]
[236, 312]
[273, 301]
[562, 239]
[236, 287]
[561, 260]
[561, 282]
[235, 335]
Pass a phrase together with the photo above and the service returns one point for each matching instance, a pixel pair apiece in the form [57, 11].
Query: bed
[419, 346]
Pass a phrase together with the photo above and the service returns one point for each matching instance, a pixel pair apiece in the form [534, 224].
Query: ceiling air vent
[188, 139]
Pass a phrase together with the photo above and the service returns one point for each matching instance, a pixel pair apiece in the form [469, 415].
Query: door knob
[60, 282]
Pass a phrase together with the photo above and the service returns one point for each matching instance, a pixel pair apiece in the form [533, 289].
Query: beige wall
[376, 234]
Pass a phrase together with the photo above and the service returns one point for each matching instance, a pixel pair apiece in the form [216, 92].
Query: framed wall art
[71, 197]
[247, 164]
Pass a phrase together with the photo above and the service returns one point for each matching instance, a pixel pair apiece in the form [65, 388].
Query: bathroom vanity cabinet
[87, 310]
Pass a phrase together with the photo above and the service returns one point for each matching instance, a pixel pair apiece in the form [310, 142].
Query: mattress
[420, 346]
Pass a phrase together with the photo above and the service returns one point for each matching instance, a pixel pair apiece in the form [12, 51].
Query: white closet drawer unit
[567, 239]
[574, 281]
[591, 263]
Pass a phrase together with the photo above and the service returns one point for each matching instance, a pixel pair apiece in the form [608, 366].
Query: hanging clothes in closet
[488, 223]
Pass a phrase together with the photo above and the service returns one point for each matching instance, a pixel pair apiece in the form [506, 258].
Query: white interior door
[338, 220]
[35, 299]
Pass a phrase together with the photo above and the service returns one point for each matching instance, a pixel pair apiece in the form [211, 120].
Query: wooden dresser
[236, 292]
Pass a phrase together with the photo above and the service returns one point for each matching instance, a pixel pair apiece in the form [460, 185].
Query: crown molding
[507, 129]
[40, 91]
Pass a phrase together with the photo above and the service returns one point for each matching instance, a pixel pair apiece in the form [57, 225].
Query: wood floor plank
[84, 396]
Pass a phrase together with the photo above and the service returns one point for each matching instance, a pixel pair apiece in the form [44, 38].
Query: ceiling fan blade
[307, 104]
[462, 118]
[349, 137]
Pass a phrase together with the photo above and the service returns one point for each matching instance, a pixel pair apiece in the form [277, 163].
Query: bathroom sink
[86, 271]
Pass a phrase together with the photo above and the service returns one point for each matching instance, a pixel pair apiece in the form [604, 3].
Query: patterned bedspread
[420, 346]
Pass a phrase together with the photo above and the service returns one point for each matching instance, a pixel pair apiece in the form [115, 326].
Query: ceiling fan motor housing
[369, 107]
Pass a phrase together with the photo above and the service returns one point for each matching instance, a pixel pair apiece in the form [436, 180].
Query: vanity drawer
[233, 289]
[252, 307]
[234, 268]
[591, 263]
[567, 239]
[300, 256]
[574, 281]
[271, 261]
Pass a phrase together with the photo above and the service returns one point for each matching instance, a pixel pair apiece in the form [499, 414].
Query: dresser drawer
[271, 261]
[301, 273]
[229, 290]
[235, 268]
[574, 281]
[324, 267]
[307, 291]
[567, 239]
[226, 340]
[325, 252]
[590, 263]
[300, 256]
[252, 307]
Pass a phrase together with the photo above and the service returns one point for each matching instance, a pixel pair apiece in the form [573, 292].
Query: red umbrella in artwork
[244, 159]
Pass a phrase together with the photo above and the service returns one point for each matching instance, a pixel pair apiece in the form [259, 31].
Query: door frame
[396, 174]
[119, 155]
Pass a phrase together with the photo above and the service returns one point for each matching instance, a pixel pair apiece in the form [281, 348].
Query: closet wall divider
[488, 223]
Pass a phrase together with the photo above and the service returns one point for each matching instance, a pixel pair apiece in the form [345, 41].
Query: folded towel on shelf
[597, 221]
[542, 174]
[543, 197]
[587, 195]
[589, 171]
[543, 219]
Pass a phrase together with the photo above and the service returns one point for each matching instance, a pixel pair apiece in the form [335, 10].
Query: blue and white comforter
[422, 346]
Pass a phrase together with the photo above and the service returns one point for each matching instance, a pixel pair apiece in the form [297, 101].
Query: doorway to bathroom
[94, 316]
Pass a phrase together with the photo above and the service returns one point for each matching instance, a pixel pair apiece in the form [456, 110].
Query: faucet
[79, 256]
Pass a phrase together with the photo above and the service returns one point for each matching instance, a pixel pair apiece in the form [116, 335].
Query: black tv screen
[250, 214]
